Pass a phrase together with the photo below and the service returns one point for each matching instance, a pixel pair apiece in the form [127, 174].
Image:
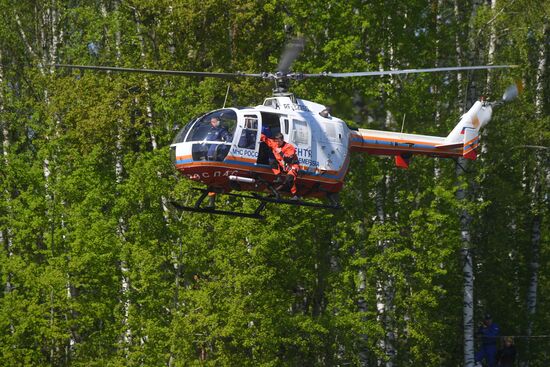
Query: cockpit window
[215, 126]
[180, 137]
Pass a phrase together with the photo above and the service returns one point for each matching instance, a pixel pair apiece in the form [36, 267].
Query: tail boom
[397, 144]
[462, 141]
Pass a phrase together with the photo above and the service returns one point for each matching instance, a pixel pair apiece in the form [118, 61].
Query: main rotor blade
[407, 71]
[156, 71]
[291, 53]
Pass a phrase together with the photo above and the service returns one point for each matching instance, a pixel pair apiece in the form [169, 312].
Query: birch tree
[538, 193]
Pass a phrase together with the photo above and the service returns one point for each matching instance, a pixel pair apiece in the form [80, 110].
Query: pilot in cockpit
[217, 132]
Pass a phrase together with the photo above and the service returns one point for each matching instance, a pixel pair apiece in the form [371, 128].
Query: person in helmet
[489, 332]
[286, 161]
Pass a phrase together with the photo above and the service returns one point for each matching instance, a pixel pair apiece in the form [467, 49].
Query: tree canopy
[98, 271]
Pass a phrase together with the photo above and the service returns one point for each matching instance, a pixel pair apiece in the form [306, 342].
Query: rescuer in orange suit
[285, 155]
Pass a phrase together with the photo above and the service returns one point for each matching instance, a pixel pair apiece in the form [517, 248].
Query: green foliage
[98, 270]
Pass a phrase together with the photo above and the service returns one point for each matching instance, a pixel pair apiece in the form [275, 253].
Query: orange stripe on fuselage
[241, 159]
[435, 151]
[471, 141]
[397, 140]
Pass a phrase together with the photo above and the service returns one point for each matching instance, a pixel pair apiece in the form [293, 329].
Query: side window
[272, 102]
[300, 133]
[285, 125]
[249, 132]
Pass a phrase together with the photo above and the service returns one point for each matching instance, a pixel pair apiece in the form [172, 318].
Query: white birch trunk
[28, 46]
[465, 217]
[149, 109]
[50, 38]
[459, 52]
[47, 36]
[435, 90]
[177, 257]
[3, 122]
[534, 262]
[491, 47]
[468, 275]
[537, 193]
[389, 116]
[56, 35]
[488, 87]
[362, 303]
[125, 286]
[124, 270]
[542, 61]
[384, 287]
[171, 42]
[5, 236]
[533, 269]
[362, 308]
[380, 301]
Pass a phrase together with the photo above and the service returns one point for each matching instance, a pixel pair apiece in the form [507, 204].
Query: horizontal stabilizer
[402, 161]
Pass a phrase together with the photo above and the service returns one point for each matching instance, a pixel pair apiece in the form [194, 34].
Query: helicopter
[235, 158]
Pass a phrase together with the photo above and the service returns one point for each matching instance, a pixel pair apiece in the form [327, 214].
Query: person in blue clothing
[266, 130]
[216, 133]
[489, 332]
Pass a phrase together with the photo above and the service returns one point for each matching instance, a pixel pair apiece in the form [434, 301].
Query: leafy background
[98, 270]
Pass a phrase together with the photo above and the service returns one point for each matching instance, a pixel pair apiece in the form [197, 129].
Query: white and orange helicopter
[235, 158]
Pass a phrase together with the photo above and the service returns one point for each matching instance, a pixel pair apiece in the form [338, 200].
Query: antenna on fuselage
[226, 94]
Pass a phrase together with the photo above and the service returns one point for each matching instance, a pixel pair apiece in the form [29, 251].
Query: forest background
[98, 271]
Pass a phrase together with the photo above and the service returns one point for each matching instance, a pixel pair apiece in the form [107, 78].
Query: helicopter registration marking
[198, 176]
[295, 107]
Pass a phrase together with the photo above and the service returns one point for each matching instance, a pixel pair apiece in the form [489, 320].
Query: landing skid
[256, 214]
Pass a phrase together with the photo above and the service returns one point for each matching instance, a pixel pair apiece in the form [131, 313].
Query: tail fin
[471, 141]
[466, 132]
